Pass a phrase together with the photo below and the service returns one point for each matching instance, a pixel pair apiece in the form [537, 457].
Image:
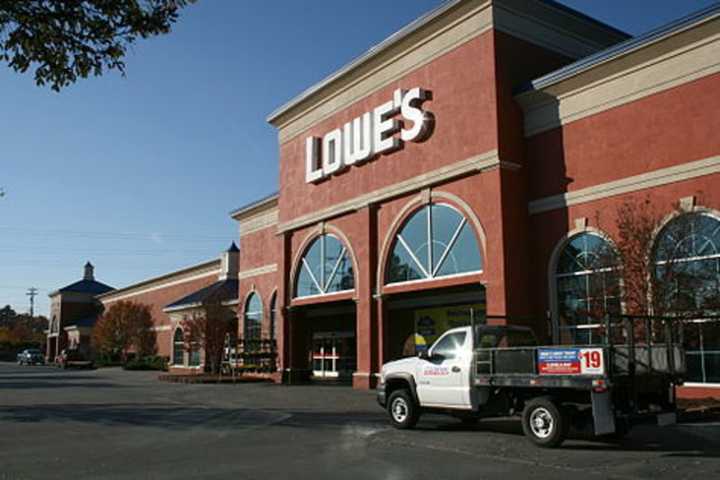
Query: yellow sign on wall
[430, 323]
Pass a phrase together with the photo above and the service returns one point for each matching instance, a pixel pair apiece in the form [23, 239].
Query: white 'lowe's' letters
[368, 135]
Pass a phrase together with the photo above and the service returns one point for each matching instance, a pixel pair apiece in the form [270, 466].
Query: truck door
[443, 377]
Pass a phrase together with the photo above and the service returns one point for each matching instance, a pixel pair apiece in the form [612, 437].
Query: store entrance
[333, 355]
[326, 344]
[417, 319]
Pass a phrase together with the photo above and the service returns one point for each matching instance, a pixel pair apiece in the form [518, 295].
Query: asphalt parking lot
[113, 424]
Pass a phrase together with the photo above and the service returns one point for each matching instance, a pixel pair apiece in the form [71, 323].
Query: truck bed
[520, 366]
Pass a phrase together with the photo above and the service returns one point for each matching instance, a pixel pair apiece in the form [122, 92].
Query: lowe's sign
[368, 135]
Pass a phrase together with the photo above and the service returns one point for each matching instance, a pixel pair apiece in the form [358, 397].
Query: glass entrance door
[333, 355]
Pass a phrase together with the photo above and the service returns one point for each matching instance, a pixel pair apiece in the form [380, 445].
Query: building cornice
[256, 207]
[255, 272]
[663, 59]
[655, 178]
[259, 221]
[452, 24]
[177, 277]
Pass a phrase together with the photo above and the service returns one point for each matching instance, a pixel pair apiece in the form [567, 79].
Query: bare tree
[207, 329]
[653, 264]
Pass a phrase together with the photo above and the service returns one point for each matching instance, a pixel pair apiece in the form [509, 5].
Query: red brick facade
[480, 117]
[159, 292]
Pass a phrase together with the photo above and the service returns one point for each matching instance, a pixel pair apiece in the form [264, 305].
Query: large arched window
[454, 248]
[687, 281]
[325, 268]
[687, 264]
[252, 326]
[588, 287]
[178, 347]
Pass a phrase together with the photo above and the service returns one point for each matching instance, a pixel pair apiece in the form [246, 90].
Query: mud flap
[603, 414]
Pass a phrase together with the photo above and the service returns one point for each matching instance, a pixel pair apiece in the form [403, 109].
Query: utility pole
[32, 292]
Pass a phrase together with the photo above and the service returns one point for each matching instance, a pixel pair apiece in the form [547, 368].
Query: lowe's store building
[492, 155]
[478, 158]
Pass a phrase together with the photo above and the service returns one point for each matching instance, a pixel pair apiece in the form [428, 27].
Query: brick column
[381, 318]
[366, 309]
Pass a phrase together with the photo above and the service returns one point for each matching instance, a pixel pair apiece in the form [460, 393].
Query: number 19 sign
[570, 361]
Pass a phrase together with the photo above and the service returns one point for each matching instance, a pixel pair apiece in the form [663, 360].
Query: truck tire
[544, 422]
[404, 413]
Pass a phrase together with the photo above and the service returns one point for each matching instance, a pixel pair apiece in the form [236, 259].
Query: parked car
[74, 358]
[30, 356]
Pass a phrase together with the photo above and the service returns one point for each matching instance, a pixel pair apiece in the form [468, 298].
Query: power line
[110, 234]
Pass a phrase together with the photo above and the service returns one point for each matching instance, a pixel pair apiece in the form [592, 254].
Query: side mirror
[424, 355]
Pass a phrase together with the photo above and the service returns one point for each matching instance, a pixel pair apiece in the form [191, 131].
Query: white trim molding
[668, 63]
[161, 328]
[447, 27]
[255, 272]
[655, 178]
[133, 291]
[475, 164]
[700, 385]
[259, 222]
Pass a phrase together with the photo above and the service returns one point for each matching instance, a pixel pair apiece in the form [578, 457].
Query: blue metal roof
[222, 291]
[87, 286]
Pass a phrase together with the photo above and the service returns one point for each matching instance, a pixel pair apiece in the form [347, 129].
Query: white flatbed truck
[485, 371]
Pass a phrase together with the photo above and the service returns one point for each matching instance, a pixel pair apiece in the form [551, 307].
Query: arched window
[273, 316]
[687, 264]
[325, 268]
[178, 347]
[687, 281]
[588, 287]
[454, 247]
[252, 326]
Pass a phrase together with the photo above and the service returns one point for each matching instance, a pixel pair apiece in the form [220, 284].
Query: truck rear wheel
[404, 413]
[544, 422]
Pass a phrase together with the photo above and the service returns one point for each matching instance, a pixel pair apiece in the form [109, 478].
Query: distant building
[73, 313]
[175, 296]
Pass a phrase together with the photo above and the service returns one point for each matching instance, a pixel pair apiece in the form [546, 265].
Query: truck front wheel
[544, 422]
[404, 413]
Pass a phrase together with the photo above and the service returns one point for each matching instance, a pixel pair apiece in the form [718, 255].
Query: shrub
[147, 363]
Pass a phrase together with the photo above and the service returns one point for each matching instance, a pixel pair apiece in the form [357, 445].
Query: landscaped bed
[209, 378]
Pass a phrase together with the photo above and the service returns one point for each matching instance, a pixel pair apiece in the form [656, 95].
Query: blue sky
[138, 174]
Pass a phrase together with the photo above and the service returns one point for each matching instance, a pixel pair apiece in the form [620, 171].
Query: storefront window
[588, 288]
[253, 318]
[687, 282]
[325, 268]
[436, 241]
[178, 347]
[195, 355]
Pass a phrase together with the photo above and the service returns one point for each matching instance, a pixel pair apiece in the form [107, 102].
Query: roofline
[165, 276]
[62, 290]
[255, 205]
[621, 49]
[189, 306]
[404, 32]
[586, 17]
[370, 53]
